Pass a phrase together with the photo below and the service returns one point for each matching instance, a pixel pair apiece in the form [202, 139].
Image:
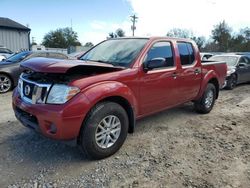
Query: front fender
[210, 75]
[102, 90]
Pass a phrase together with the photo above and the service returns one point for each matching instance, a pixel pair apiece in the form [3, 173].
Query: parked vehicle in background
[205, 56]
[2, 57]
[10, 67]
[244, 53]
[97, 100]
[5, 53]
[238, 68]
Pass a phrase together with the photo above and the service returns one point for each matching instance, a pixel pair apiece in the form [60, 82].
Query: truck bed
[218, 67]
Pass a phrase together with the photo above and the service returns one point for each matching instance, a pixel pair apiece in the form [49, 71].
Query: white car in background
[5, 53]
[2, 58]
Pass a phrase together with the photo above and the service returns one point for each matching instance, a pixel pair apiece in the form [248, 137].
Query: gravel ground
[174, 148]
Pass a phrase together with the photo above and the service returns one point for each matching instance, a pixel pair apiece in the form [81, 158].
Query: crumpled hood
[47, 65]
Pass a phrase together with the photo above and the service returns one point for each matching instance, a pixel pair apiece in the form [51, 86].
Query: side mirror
[154, 64]
[242, 65]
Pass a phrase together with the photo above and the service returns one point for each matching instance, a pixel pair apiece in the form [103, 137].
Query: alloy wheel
[108, 131]
[209, 99]
[5, 83]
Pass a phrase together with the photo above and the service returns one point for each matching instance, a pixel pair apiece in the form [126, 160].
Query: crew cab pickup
[97, 100]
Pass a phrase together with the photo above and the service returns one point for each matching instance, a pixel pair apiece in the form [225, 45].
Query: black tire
[88, 142]
[6, 83]
[202, 105]
[231, 82]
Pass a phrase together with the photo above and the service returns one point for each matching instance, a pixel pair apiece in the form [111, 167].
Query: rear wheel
[104, 131]
[231, 82]
[205, 104]
[5, 83]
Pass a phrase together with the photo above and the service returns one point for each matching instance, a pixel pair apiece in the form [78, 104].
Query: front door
[158, 86]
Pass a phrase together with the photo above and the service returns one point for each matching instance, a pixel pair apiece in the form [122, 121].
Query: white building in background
[13, 35]
[43, 48]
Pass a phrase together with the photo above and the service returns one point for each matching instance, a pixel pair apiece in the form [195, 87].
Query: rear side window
[186, 51]
[161, 50]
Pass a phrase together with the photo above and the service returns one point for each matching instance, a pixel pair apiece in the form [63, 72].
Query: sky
[94, 19]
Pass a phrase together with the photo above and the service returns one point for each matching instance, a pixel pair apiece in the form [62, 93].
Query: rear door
[158, 87]
[190, 73]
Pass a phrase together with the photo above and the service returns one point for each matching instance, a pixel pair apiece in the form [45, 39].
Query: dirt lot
[175, 148]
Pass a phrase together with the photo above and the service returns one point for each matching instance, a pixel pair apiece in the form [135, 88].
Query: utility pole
[133, 28]
[33, 40]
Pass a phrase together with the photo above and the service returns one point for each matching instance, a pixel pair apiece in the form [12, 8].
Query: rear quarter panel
[219, 68]
[212, 70]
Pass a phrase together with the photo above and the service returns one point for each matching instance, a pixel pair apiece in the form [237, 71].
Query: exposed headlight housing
[60, 94]
[230, 71]
[19, 86]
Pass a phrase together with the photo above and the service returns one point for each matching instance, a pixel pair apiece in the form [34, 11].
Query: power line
[133, 28]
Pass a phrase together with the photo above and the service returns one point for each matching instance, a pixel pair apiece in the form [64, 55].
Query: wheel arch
[127, 107]
[112, 91]
[215, 82]
[210, 77]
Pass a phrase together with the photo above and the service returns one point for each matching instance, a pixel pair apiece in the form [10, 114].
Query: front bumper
[226, 81]
[61, 122]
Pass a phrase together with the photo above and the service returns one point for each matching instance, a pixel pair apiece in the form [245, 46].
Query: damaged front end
[53, 88]
[40, 89]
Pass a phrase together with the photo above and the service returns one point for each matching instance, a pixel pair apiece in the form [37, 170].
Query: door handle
[174, 75]
[197, 71]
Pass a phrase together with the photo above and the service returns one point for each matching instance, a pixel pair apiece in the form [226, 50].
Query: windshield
[18, 57]
[230, 60]
[5, 50]
[118, 52]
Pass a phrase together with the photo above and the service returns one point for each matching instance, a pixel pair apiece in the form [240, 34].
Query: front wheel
[205, 104]
[104, 131]
[5, 83]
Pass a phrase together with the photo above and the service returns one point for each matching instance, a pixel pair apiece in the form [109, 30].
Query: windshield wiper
[107, 62]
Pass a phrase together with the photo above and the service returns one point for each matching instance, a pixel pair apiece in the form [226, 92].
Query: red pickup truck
[96, 100]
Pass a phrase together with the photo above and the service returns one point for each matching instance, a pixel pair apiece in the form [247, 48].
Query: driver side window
[161, 50]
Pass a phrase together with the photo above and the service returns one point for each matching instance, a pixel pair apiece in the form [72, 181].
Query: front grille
[28, 89]
[33, 92]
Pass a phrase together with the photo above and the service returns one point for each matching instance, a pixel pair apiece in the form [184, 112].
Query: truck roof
[153, 38]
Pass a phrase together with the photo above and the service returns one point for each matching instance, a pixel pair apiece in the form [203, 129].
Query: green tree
[200, 41]
[88, 44]
[185, 33]
[112, 35]
[244, 40]
[118, 33]
[221, 34]
[180, 33]
[61, 38]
